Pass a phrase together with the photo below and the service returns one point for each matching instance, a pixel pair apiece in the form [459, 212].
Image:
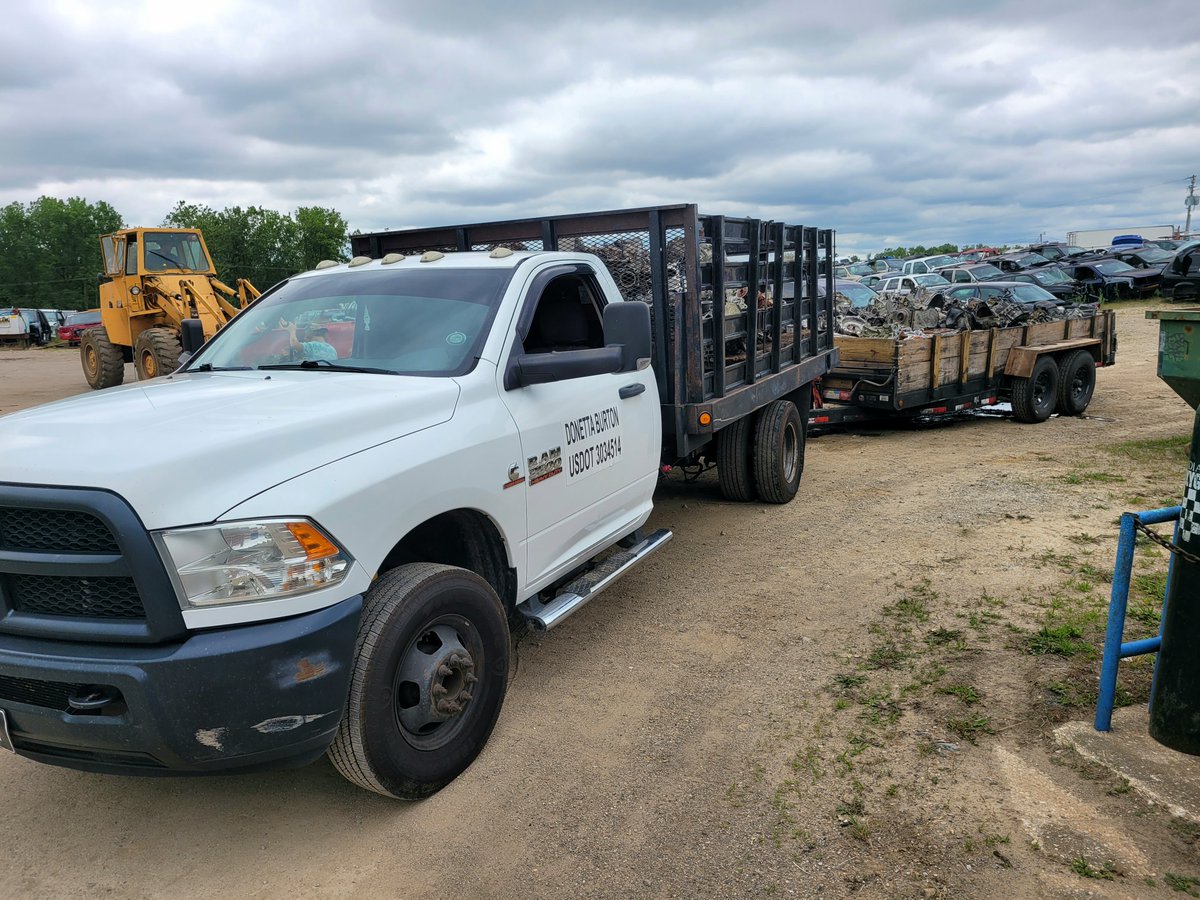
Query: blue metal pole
[1166, 593]
[1118, 601]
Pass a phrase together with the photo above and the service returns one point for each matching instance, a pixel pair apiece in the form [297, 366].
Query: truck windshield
[402, 322]
[170, 250]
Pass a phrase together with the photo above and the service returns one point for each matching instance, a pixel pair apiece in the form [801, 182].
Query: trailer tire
[156, 352]
[103, 363]
[778, 452]
[431, 635]
[1076, 383]
[1035, 398]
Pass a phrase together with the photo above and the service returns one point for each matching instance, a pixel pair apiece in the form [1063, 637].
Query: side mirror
[627, 326]
[191, 336]
[543, 368]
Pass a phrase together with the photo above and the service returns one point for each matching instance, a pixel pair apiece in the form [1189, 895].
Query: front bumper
[256, 696]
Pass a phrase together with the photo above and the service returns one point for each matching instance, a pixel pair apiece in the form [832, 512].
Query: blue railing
[1114, 649]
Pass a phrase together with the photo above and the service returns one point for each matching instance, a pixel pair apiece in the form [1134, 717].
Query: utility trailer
[728, 370]
[1041, 369]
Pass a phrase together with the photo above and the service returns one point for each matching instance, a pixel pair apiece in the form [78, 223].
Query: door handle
[631, 390]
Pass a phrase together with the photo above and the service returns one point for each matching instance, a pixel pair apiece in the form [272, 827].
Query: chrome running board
[573, 596]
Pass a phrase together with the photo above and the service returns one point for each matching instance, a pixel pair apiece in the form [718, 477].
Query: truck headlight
[244, 561]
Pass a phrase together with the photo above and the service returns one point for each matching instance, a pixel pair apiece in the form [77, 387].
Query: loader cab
[155, 251]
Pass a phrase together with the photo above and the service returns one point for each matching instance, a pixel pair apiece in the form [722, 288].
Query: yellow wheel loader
[154, 279]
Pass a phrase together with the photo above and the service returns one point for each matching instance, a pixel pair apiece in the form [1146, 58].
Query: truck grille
[91, 597]
[53, 531]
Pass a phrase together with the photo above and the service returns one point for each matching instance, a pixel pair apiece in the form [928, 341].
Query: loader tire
[778, 452]
[735, 464]
[1035, 398]
[103, 363]
[156, 352]
[1076, 383]
[429, 677]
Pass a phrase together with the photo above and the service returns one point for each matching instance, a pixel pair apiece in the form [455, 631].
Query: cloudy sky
[914, 122]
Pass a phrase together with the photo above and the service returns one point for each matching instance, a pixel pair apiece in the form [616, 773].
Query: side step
[572, 597]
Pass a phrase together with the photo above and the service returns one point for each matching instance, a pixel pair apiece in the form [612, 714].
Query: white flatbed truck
[313, 536]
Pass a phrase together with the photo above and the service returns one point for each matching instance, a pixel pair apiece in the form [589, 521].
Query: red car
[77, 324]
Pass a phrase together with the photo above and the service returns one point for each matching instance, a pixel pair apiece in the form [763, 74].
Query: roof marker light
[501, 252]
[326, 264]
[431, 256]
[392, 258]
[359, 261]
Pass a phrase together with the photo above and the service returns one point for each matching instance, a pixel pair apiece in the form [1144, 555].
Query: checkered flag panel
[1189, 516]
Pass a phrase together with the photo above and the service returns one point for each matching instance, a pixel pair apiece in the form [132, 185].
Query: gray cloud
[919, 122]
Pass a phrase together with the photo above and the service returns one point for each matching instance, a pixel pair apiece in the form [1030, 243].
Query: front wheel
[156, 352]
[1035, 398]
[430, 672]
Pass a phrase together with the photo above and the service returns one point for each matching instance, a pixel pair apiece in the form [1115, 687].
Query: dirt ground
[852, 694]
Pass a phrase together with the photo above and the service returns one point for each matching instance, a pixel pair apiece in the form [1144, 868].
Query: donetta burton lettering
[598, 455]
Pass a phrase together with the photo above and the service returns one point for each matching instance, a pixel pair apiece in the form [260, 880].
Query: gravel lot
[788, 701]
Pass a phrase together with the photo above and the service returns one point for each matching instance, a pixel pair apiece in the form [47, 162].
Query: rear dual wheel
[763, 455]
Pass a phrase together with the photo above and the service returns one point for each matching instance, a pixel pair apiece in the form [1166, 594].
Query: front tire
[1035, 398]
[1076, 383]
[156, 352]
[430, 672]
[103, 362]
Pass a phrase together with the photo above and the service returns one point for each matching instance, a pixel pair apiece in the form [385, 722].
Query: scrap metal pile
[912, 315]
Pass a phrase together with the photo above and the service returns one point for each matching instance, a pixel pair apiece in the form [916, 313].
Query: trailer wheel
[430, 672]
[734, 461]
[1076, 383]
[156, 352]
[1034, 398]
[103, 363]
[778, 452]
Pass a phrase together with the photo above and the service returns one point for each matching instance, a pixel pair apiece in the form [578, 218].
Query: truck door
[591, 444]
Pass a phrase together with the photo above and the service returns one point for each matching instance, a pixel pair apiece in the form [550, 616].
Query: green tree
[50, 252]
[261, 244]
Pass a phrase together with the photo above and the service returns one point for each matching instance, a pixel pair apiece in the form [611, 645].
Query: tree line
[50, 248]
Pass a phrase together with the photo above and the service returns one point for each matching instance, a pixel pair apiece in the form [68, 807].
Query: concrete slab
[1168, 777]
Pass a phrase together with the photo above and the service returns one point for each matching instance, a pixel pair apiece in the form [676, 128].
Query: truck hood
[184, 449]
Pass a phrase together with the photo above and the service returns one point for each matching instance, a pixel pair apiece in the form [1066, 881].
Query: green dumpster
[1175, 699]
[1179, 351]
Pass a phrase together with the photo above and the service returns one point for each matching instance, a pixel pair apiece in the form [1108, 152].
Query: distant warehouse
[1102, 237]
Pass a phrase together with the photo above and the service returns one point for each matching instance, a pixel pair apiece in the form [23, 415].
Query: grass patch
[940, 637]
[1185, 884]
[1167, 450]
[1059, 640]
[1081, 867]
[964, 692]
[1093, 478]
[886, 656]
[970, 728]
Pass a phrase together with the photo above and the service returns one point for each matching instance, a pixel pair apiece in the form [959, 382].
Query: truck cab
[483, 426]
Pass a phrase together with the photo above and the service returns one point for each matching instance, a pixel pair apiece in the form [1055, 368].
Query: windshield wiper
[326, 365]
[209, 367]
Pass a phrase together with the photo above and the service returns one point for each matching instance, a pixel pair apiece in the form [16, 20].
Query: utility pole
[1189, 202]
